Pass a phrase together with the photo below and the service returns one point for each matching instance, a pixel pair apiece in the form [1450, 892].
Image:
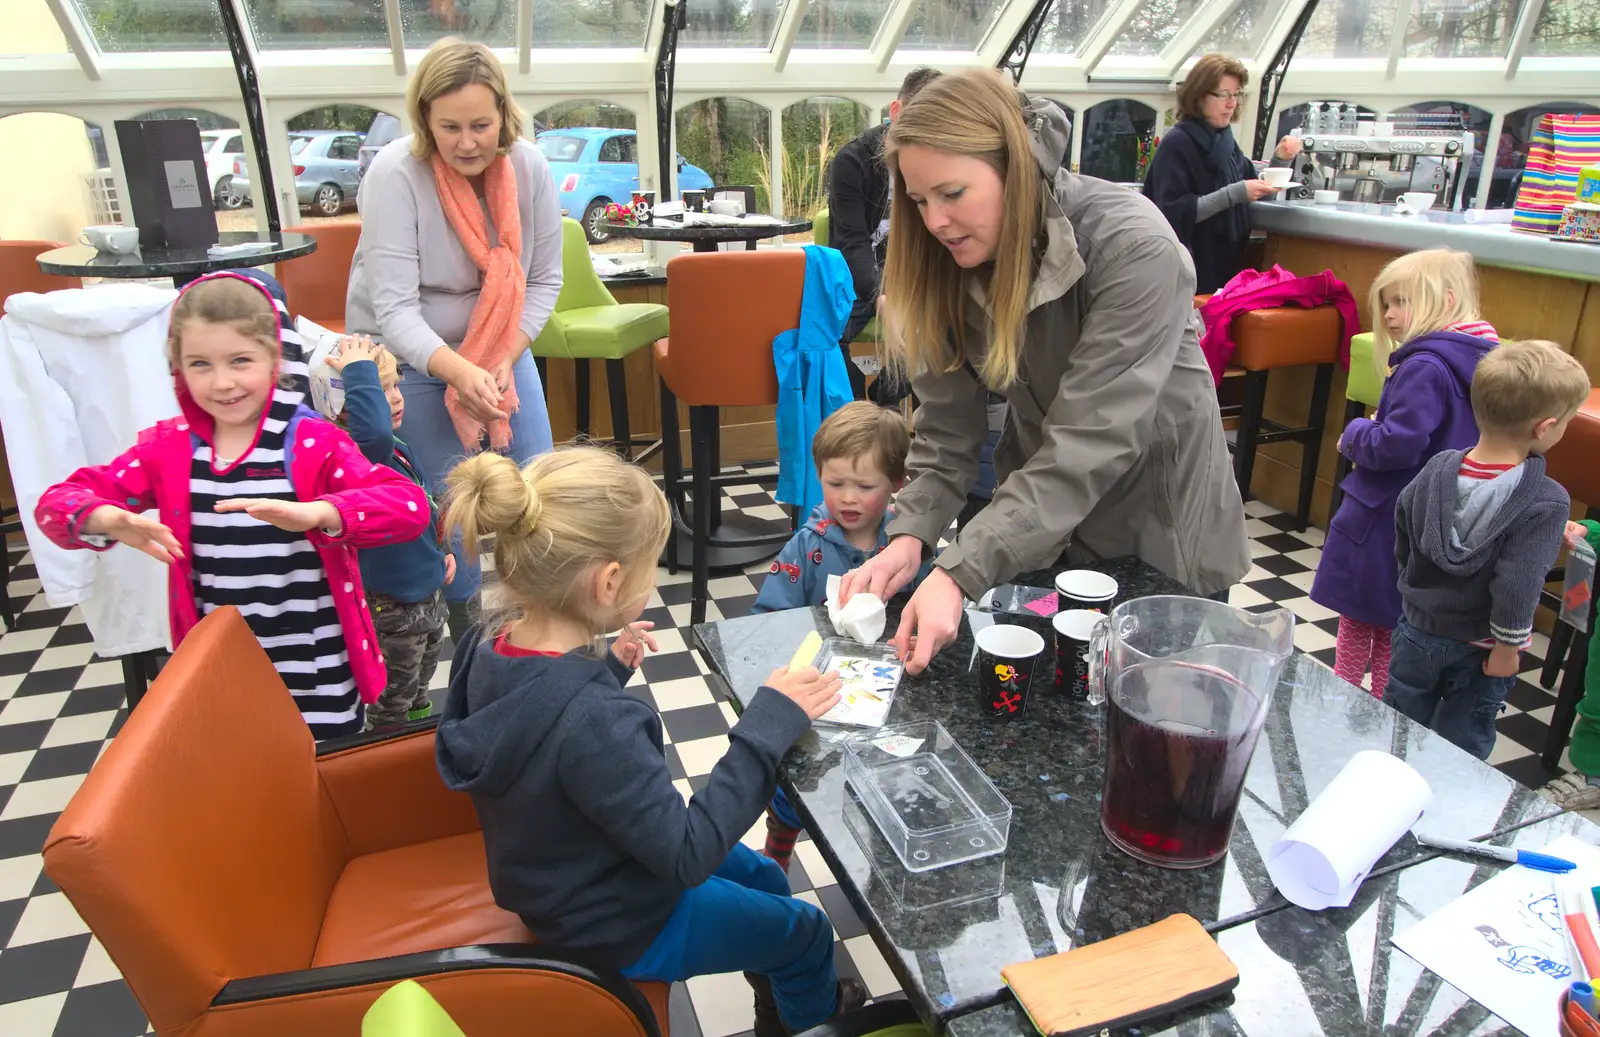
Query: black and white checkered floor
[59, 706]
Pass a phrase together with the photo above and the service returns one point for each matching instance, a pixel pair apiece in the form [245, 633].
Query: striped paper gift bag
[1561, 147]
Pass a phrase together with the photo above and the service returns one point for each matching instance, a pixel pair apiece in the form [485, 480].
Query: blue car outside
[594, 167]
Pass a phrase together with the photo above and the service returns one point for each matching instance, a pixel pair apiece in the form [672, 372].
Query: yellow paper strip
[806, 654]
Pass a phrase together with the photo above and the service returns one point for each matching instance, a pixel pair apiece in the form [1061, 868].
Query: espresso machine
[1424, 152]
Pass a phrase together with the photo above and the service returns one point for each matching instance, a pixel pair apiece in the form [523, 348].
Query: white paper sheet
[1503, 944]
[863, 619]
[1320, 861]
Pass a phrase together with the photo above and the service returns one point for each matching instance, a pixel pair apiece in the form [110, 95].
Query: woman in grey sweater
[414, 285]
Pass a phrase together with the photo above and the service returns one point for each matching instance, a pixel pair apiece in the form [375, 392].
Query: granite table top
[181, 262]
[1335, 973]
[1061, 883]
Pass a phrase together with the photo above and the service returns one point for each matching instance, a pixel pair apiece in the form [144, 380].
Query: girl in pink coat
[257, 503]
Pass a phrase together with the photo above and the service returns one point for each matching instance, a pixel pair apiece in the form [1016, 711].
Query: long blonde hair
[555, 521]
[977, 113]
[1440, 287]
[449, 65]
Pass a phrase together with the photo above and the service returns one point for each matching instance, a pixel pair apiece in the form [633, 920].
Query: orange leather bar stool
[1277, 338]
[248, 882]
[19, 272]
[316, 284]
[727, 307]
[1573, 464]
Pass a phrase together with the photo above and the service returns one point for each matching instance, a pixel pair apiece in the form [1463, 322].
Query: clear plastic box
[871, 676]
[932, 804]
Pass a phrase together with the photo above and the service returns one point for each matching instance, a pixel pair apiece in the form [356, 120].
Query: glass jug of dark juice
[1186, 682]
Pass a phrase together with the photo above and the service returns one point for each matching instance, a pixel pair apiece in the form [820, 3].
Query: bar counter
[1529, 287]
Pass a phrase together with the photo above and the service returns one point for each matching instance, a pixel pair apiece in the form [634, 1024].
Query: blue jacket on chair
[812, 380]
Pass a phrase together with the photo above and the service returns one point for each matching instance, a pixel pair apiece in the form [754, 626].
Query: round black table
[181, 264]
[705, 237]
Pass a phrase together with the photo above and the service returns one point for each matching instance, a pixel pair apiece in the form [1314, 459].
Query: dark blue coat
[1426, 407]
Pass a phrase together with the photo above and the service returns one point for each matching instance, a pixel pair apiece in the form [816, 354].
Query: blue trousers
[429, 433]
[743, 919]
[1440, 683]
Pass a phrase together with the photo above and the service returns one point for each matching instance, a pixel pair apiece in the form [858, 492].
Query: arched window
[1511, 154]
[59, 180]
[586, 112]
[813, 132]
[726, 137]
[1116, 136]
[330, 148]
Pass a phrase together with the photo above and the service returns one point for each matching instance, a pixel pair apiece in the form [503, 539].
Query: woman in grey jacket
[417, 287]
[1071, 297]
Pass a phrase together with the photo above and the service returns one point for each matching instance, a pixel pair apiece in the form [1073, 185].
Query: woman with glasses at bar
[1201, 180]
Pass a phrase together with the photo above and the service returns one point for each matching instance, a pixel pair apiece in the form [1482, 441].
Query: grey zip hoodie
[588, 841]
[1473, 559]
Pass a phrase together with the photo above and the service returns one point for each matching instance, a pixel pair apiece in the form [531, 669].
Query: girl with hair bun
[588, 840]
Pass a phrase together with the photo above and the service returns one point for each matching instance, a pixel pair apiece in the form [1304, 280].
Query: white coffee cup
[1383, 129]
[1277, 176]
[726, 206]
[111, 237]
[1325, 197]
[1419, 201]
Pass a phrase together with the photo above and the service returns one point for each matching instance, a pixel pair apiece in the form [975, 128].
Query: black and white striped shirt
[273, 576]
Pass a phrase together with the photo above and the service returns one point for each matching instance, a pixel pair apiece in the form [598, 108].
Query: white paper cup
[1086, 589]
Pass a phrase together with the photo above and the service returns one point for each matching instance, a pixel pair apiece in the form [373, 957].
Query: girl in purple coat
[1427, 304]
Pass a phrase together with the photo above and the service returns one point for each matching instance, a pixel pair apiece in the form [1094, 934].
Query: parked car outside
[594, 166]
[386, 128]
[327, 169]
[222, 148]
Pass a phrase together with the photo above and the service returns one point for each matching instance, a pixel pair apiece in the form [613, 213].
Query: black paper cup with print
[694, 201]
[1008, 659]
[1073, 629]
[1086, 589]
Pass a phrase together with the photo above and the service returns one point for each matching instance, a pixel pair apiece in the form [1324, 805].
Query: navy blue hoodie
[588, 840]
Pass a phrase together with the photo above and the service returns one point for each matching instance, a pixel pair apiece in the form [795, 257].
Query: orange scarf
[494, 331]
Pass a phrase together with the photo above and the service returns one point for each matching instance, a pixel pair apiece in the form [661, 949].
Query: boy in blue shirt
[860, 453]
[404, 582]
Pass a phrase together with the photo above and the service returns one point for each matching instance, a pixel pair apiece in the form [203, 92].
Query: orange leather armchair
[19, 269]
[248, 882]
[316, 284]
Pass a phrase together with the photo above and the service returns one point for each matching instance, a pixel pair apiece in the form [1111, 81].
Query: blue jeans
[1440, 683]
[743, 919]
[431, 435]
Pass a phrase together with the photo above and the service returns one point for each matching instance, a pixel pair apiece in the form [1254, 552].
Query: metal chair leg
[1567, 699]
[702, 427]
[582, 371]
[1342, 464]
[617, 389]
[671, 469]
[544, 375]
[1244, 449]
[1312, 448]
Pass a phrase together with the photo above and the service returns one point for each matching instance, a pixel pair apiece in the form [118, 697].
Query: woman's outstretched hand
[886, 573]
[930, 621]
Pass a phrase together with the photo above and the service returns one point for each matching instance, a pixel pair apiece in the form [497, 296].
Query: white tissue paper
[863, 619]
[327, 387]
[1323, 857]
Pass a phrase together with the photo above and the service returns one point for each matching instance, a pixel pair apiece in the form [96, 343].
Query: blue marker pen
[1582, 995]
[1526, 858]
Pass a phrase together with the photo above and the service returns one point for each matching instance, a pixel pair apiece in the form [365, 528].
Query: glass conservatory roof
[1463, 49]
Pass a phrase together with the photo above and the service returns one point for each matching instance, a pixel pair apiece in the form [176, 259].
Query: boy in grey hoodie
[1477, 531]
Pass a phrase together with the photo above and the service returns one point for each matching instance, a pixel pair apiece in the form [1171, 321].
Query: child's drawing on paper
[1525, 960]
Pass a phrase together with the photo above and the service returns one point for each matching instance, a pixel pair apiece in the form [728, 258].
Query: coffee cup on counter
[1008, 657]
[1325, 197]
[111, 237]
[1074, 629]
[726, 206]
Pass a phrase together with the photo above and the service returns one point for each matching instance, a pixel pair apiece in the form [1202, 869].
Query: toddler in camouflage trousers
[404, 582]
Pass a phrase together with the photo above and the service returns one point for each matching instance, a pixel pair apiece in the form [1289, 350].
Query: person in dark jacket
[404, 582]
[588, 841]
[1478, 530]
[858, 216]
[1201, 181]
[1427, 304]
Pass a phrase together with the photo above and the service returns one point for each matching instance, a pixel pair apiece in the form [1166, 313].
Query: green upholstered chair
[589, 324]
[1362, 390]
[819, 235]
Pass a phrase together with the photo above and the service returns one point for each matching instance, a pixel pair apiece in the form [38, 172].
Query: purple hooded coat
[1426, 407]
